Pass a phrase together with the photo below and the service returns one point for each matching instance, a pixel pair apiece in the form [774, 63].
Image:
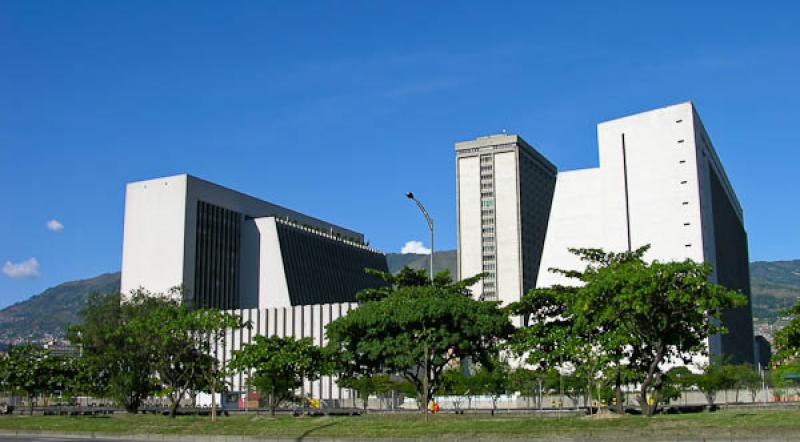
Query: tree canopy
[625, 317]
[415, 331]
[278, 366]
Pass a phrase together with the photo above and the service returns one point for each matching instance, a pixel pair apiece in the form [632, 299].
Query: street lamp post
[410, 195]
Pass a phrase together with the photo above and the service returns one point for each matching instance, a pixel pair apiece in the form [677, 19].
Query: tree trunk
[214, 399]
[647, 410]
[618, 392]
[173, 406]
[131, 406]
[30, 404]
[272, 402]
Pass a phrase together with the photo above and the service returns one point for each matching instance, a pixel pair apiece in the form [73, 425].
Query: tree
[672, 309]
[121, 346]
[493, 379]
[783, 377]
[185, 361]
[577, 328]
[25, 369]
[533, 383]
[408, 277]
[454, 382]
[748, 378]
[368, 385]
[279, 365]
[787, 340]
[561, 334]
[676, 381]
[627, 318]
[207, 328]
[417, 331]
[668, 311]
[714, 378]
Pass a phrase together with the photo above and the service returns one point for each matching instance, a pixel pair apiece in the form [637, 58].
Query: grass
[727, 424]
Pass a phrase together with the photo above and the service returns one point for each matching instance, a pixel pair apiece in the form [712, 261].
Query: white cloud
[22, 269]
[415, 247]
[54, 225]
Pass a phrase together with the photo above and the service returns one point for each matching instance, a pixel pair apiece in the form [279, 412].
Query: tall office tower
[232, 251]
[504, 191]
[660, 182]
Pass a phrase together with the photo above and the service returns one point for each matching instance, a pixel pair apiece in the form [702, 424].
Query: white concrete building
[504, 190]
[659, 182]
[229, 250]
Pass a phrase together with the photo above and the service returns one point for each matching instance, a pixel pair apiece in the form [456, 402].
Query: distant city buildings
[229, 250]
[659, 182]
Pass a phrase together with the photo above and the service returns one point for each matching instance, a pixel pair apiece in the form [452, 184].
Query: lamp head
[410, 195]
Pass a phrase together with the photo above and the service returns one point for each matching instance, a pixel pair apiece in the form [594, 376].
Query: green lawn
[738, 424]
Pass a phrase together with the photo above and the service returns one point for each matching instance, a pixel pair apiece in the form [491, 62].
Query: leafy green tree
[417, 331]
[185, 362]
[748, 378]
[627, 319]
[783, 377]
[207, 327]
[787, 340]
[367, 386]
[715, 377]
[752, 381]
[577, 328]
[454, 382]
[532, 384]
[560, 334]
[408, 277]
[671, 309]
[121, 346]
[278, 365]
[492, 379]
[668, 310]
[676, 381]
[26, 370]
[148, 343]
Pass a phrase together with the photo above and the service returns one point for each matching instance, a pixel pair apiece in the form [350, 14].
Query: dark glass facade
[537, 182]
[323, 270]
[733, 272]
[217, 255]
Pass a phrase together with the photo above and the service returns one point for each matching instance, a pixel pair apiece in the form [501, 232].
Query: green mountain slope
[445, 259]
[775, 286]
[44, 316]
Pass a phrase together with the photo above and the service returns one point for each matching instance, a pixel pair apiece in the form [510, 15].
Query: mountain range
[775, 286]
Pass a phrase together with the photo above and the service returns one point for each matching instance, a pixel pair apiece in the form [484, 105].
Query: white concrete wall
[153, 237]
[662, 181]
[507, 228]
[298, 322]
[469, 219]
[577, 219]
[664, 207]
[668, 190]
[273, 290]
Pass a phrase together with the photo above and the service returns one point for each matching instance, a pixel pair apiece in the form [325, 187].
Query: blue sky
[338, 108]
